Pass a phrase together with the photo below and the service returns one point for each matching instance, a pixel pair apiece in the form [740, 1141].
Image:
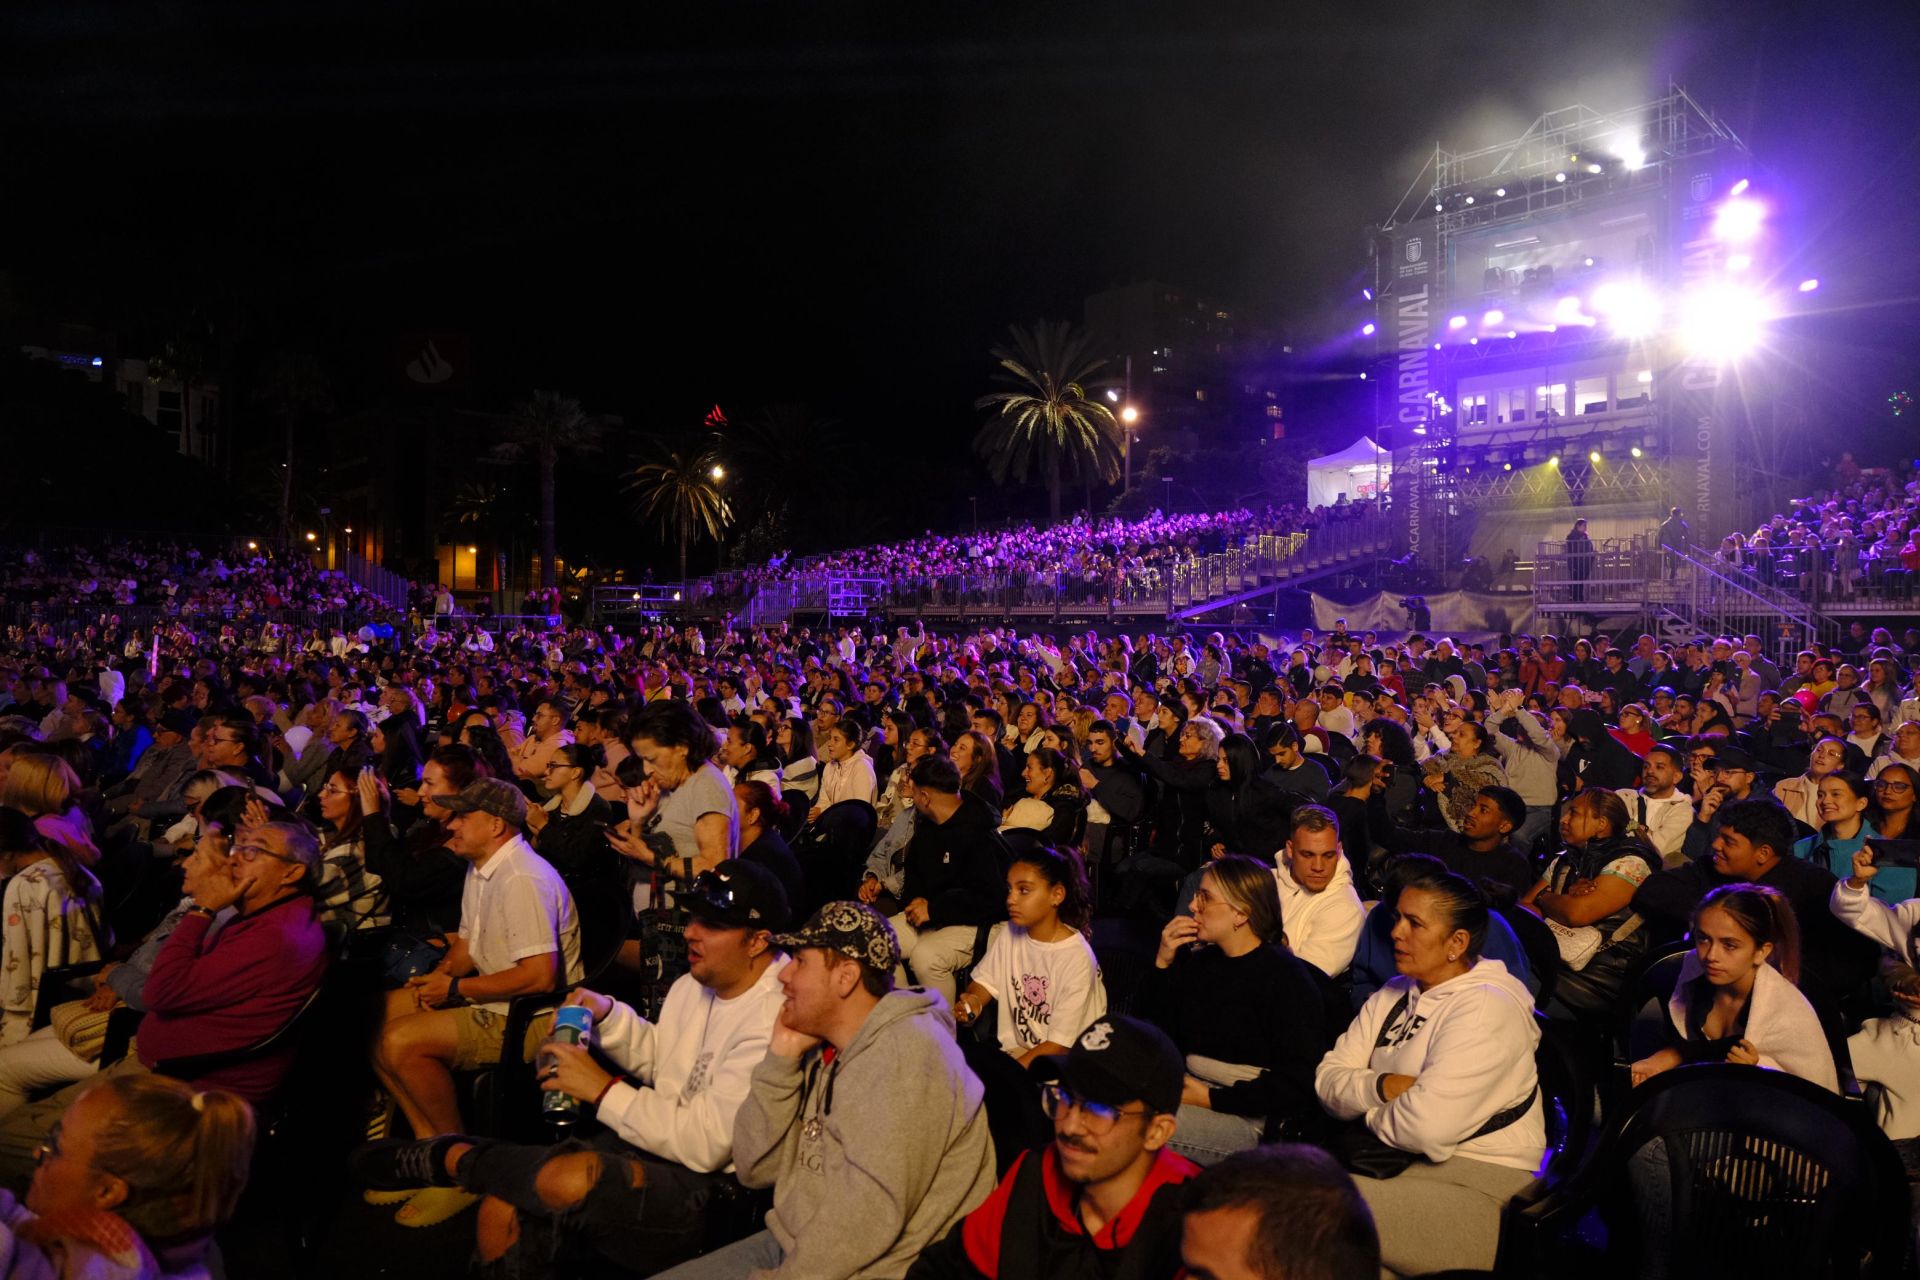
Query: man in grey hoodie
[863, 1117]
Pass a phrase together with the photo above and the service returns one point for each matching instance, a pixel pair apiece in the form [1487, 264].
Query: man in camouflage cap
[863, 1100]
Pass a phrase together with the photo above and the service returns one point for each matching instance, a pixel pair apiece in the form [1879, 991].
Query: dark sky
[660, 207]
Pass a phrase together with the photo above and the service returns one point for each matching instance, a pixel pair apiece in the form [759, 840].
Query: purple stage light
[1366, 330]
[1456, 322]
[1808, 286]
[1722, 321]
[1740, 187]
[1493, 317]
[1367, 294]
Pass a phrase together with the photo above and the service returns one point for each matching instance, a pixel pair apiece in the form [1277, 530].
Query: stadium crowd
[1860, 536]
[845, 951]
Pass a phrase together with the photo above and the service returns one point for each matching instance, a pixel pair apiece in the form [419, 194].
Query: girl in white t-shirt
[1039, 967]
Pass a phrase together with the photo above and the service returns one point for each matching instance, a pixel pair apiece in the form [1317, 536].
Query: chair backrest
[1766, 1175]
[1640, 1019]
[1565, 1061]
[1543, 952]
[604, 909]
[832, 852]
[798, 806]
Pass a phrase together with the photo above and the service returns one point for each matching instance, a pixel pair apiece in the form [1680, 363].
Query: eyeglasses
[332, 789]
[1099, 1118]
[48, 1148]
[1888, 784]
[253, 852]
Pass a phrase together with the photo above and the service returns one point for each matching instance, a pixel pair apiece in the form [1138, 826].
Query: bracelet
[605, 1089]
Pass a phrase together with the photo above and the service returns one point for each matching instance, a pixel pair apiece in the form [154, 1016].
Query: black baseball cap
[1120, 1059]
[738, 895]
[1730, 757]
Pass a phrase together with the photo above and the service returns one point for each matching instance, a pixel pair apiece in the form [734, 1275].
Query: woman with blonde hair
[39, 783]
[133, 1182]
[51, 910]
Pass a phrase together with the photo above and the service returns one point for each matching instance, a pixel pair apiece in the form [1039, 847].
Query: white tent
[1361, 470]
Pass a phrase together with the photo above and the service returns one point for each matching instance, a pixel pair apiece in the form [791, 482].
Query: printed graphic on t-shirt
[697, 1078]
[1402, 1029]
[1032, 1008]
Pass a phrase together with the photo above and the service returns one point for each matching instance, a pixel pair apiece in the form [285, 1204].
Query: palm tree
[1051, 419]
[294, 388]
[679, 488]
[545, 425]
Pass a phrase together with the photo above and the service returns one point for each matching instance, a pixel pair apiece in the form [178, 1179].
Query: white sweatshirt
[1781, 1026]
[849, 779]
[697, 1063]
[1322, 928]
[1886, 1052]
[1668, 819]
[1891, 927]
[1468, 1043]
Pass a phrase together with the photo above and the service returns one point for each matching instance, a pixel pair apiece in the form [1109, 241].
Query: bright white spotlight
[1627, 146]
[1740, 187]
[1367, 294]
[1513, 333]
[1439, 208]
[1456, 322]
[1593, 456]
[1808, 286]
[1739, 220]
[1567, 311]
[1469, 199]
[1113, 395]
[1722, 321]
[1493, 317]
[1366, 330]
[1632, 311]
[1594, 168]
[1500, 192]
[1560, 177]
[1636, 451]
[1739, 261]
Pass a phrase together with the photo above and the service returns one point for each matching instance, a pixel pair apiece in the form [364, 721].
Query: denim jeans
[757, 1251]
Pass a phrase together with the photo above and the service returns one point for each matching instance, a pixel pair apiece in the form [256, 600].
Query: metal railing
[394, 588]
[1616, 571]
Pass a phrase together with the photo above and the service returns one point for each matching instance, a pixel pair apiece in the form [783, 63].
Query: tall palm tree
[295, 389]
[1051, 418]
[678, 488]
[545, 425]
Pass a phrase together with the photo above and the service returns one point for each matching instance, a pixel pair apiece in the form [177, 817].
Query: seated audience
[1736, 999]
[1278, 1213]
[1039, 970]
[1318, 904]
[1439, 1065]
[1212, 970]
[893, 1125]
[1105, 1196]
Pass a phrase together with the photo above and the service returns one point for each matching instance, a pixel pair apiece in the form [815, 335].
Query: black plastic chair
[832, 853]
[1637, 1029]
[1567, 1062]
[606, 921]
[798, 806]
[1543, 952]
[1766, 1174]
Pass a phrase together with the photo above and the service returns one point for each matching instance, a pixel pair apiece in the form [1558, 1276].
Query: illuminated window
[1199, 394]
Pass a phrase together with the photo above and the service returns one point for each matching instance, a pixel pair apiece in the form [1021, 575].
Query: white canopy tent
[1361, 470]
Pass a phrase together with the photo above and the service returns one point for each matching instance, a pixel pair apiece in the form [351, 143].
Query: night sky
[844, 204]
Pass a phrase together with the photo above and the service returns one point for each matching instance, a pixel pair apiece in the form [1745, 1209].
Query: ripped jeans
[641, 1212]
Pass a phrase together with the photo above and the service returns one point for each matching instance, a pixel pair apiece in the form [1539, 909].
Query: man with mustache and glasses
[1103, 1198]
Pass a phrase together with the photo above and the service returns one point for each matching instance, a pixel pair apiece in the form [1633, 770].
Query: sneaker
[403, 1165]
[435, 1205]
[390, 1197]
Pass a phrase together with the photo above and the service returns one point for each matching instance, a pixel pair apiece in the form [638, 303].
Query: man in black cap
[634, 1193]
[862, 1117]
[1101, 1198]
[1732, 775]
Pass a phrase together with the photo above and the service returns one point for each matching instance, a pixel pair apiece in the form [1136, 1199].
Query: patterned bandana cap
[853, 929]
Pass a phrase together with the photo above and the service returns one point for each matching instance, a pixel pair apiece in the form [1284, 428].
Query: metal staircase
[1267, 564]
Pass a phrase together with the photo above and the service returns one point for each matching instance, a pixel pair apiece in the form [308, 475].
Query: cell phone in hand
[1895, 853]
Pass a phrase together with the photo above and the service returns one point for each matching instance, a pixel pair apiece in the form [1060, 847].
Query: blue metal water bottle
[572, 1024]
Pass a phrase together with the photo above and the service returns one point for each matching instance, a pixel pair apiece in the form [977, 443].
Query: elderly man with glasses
[217, 992]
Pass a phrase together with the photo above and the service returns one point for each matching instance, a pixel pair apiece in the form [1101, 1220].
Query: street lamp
[718, 472]
[312, 536]
[1166, 501]
[1128, 416]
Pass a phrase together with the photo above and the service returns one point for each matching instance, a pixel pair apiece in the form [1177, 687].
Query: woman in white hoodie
[848, 774]
[1439, 1062]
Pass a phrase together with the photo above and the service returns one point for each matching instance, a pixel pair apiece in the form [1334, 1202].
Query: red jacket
[1049, 1240]
[211, 997]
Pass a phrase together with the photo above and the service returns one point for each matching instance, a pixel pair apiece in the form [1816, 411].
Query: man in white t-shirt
[635, 1192]
[518, 935]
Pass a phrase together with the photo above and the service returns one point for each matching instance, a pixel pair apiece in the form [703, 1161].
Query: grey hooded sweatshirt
[873, 1156]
